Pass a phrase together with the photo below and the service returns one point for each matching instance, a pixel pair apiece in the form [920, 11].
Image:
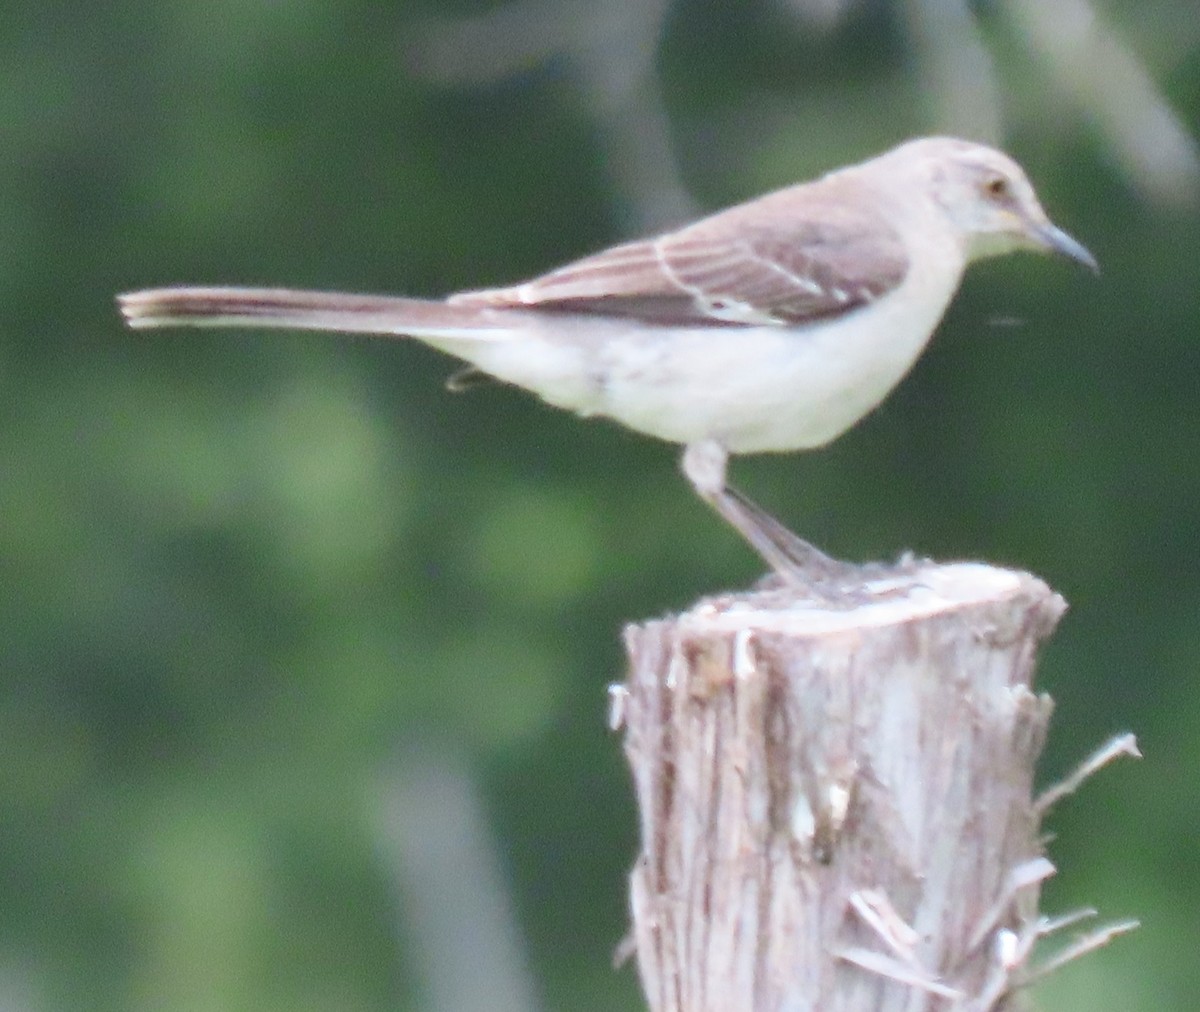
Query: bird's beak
[1050, 237]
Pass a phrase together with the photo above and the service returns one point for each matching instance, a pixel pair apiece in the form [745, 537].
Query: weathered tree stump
[836, 802]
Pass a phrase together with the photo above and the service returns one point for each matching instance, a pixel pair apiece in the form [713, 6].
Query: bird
[772, 326]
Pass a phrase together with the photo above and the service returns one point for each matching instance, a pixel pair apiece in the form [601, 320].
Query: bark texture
[836, 801]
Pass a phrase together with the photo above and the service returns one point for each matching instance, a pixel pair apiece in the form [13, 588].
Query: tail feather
[303, 310]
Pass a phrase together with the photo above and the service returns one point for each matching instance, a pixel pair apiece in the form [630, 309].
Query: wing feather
[794, 256]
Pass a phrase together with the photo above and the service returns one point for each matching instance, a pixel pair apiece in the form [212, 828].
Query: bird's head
[987, 197]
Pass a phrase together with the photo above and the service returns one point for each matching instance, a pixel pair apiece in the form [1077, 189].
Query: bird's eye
[997, 188]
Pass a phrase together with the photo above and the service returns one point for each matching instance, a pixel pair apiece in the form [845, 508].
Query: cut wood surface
[836, 800]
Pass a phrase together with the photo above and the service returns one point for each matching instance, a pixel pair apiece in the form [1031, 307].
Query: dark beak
[1056, 240]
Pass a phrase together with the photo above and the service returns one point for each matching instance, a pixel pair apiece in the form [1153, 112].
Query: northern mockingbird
[774, 325]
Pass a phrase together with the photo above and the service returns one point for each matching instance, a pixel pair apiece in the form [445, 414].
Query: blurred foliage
[243, 571]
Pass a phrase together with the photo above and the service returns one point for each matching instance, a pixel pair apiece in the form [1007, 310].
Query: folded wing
[785, 259]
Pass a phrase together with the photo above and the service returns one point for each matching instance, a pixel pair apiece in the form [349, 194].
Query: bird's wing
[784, 259]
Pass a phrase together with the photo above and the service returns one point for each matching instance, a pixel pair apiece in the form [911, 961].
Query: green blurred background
[304, 659]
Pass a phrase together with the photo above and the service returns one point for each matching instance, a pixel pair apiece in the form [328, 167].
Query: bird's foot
[798, 565]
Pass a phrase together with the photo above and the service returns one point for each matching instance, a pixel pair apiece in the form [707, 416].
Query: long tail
[303, 310]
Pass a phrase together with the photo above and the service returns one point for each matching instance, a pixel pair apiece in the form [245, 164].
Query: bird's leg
[790, 556]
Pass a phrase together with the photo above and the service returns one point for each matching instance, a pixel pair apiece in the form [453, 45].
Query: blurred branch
[1090, 62]
[956, 69]
[820, 15]
[611, 45]
[435, 844]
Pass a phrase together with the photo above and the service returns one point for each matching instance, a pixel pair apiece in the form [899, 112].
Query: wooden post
[836, 802]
